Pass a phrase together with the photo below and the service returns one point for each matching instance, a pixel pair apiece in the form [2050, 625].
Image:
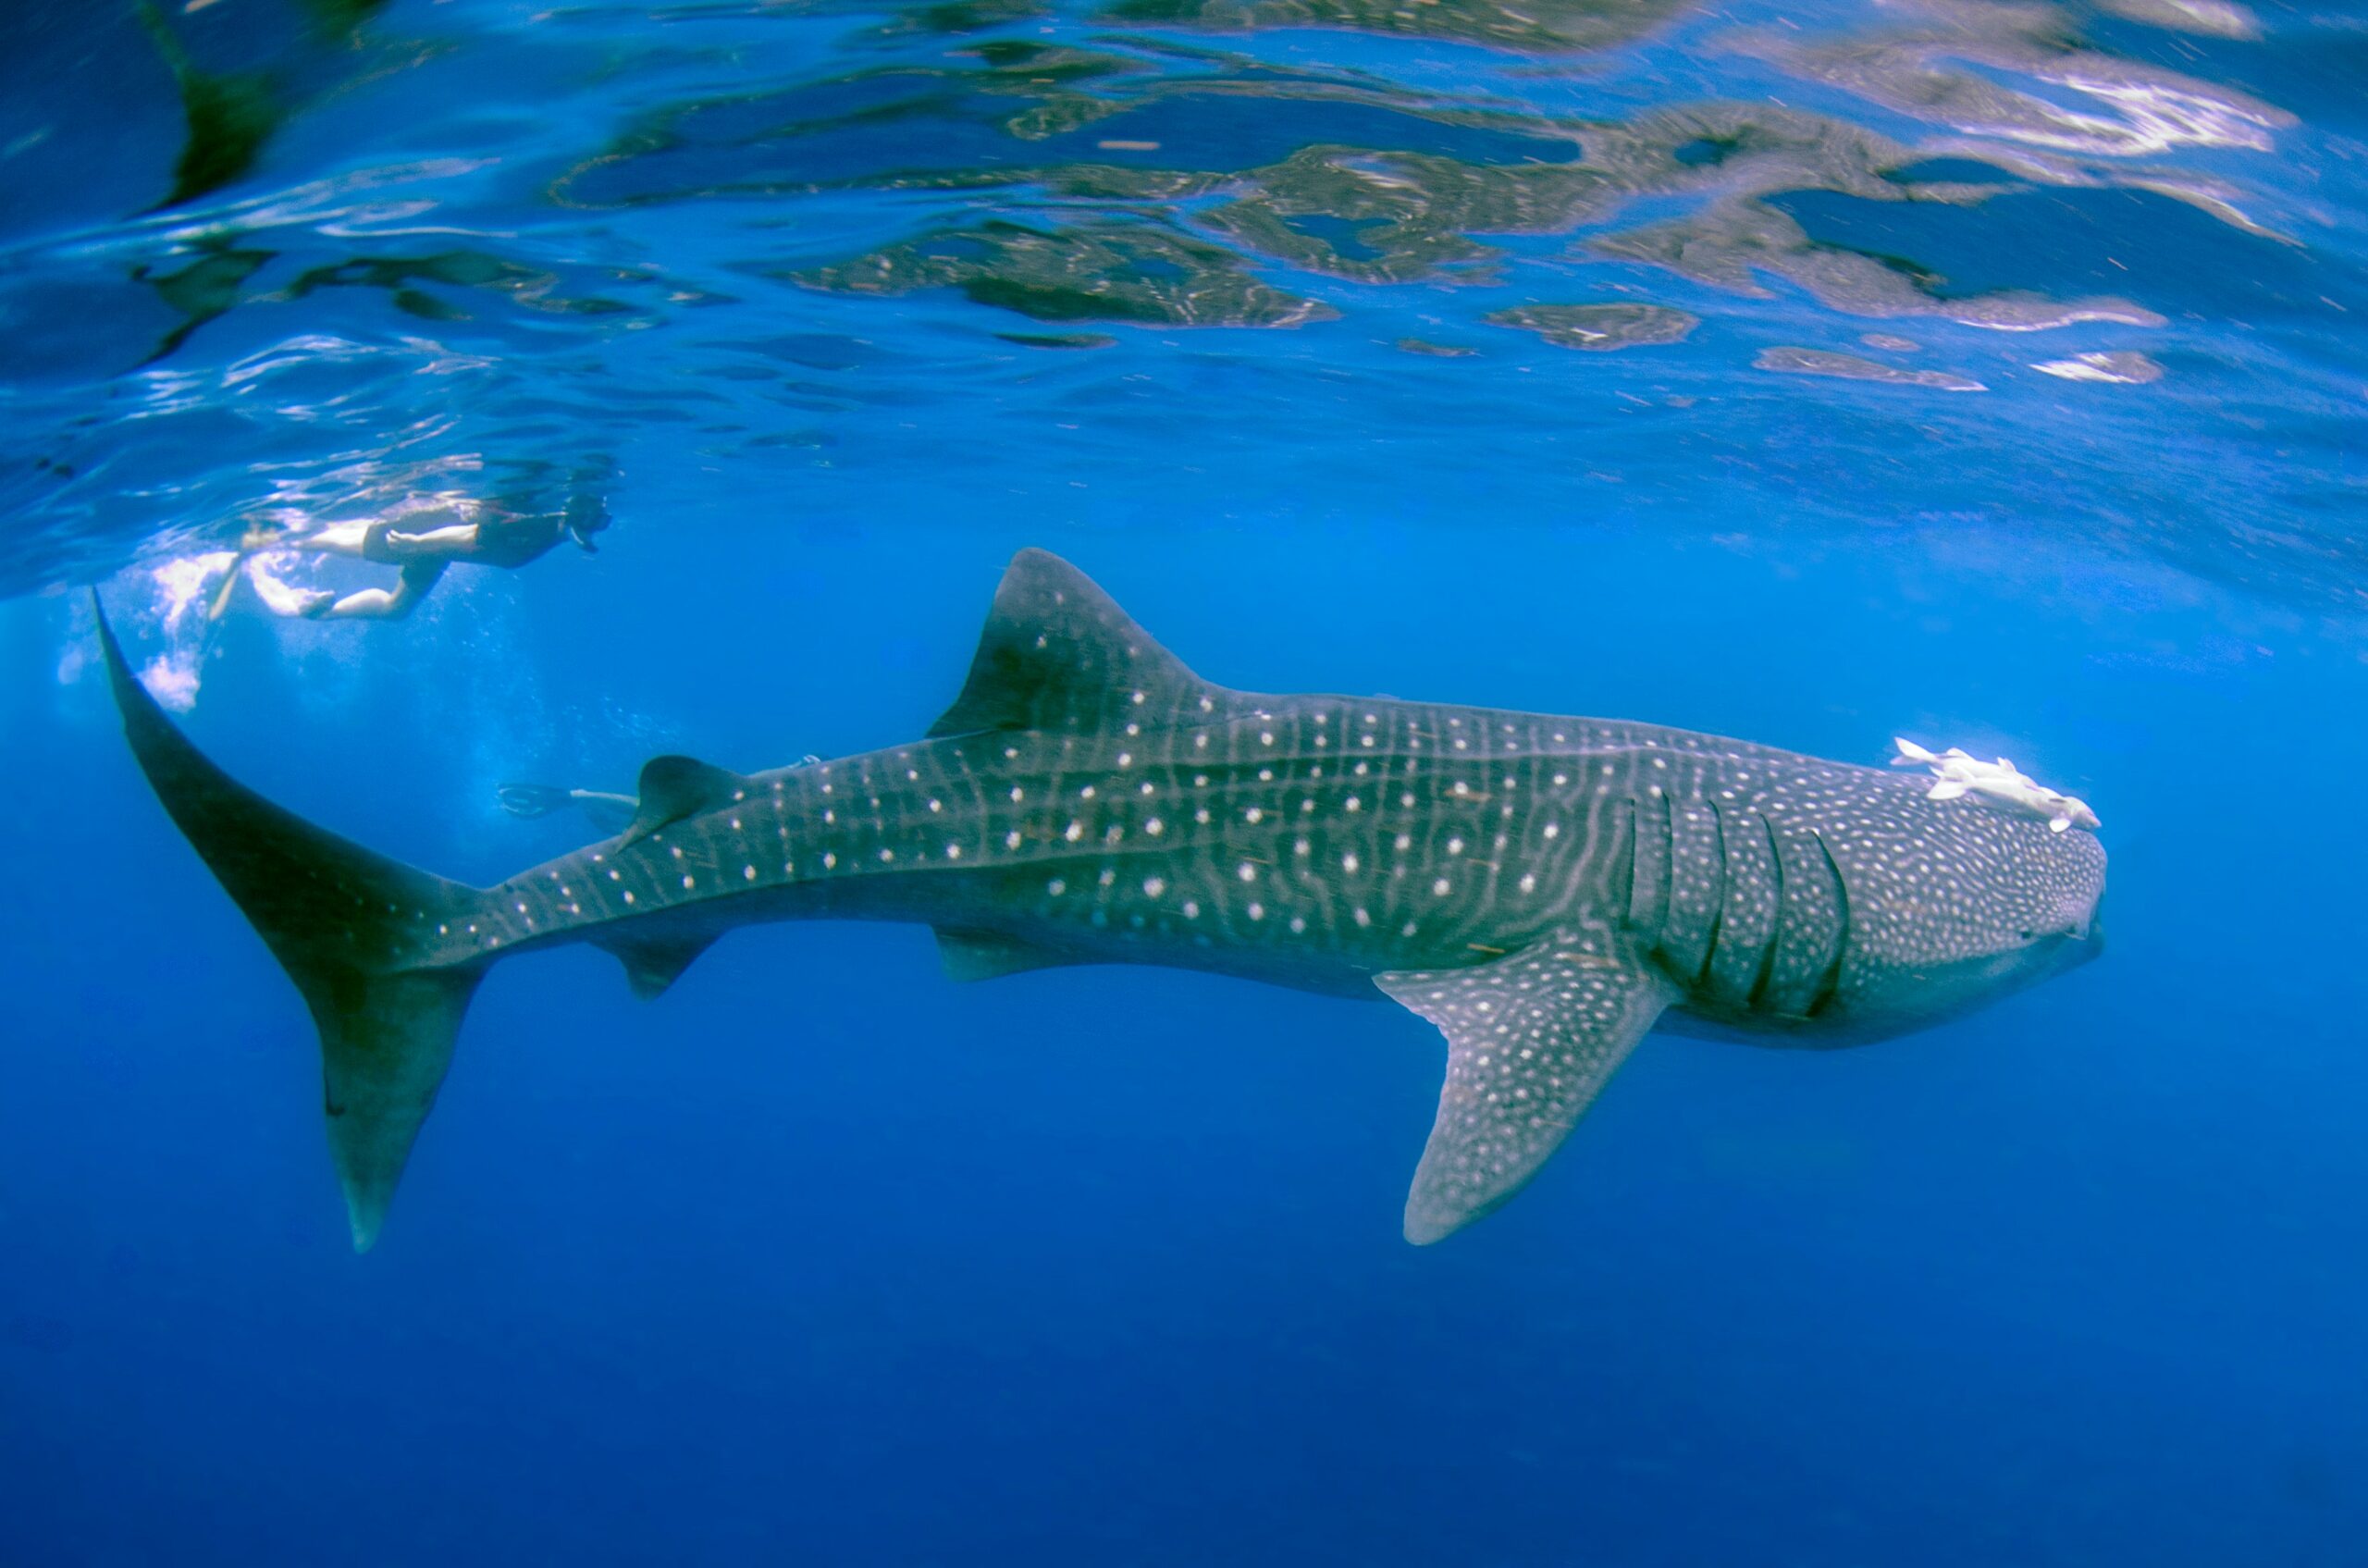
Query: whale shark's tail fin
[345, 923]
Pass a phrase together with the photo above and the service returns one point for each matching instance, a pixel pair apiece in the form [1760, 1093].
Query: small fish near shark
[1962, 773]
[1544, 890]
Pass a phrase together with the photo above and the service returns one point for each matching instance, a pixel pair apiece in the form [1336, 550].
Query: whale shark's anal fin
[652, 964]
[1057, 653]
[674, 788]
[1532, 1037]
[346, 924]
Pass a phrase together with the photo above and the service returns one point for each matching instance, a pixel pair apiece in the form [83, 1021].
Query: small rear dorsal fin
[675, 787]
[1057, 653]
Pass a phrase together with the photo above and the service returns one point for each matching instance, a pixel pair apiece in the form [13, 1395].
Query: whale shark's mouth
[2086, 926]
[2091, 933]
[2053, 953]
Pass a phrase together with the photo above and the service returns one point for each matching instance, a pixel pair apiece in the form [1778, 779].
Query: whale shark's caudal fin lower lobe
[343, 922]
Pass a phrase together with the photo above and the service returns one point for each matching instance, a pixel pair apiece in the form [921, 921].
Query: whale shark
[1545, 890]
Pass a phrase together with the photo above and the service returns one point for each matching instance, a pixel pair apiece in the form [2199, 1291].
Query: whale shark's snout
[1952, 925]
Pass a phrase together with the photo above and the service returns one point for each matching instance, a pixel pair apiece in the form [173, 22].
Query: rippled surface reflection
[2088, 269]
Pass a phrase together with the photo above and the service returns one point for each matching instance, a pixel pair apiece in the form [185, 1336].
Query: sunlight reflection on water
[431, 236]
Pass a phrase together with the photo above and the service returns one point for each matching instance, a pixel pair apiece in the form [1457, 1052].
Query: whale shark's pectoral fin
[986, 954]
[1532, 1037]
[674, 788]
[1057, 653]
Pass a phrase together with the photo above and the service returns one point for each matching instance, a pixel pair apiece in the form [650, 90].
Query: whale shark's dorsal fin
[1057, 653]
[1532, 1037]
[674, 788]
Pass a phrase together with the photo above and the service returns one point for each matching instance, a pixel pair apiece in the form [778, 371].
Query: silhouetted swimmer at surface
[497, 537]
[607, 812]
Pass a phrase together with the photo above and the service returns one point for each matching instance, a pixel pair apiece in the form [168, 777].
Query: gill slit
[1776, 921]
[1830, 984]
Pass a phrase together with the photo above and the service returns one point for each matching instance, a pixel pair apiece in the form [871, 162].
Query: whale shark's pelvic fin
[674, 788]
[339, 920]
[1057, 653]
[985, 955]
[1532, 1037]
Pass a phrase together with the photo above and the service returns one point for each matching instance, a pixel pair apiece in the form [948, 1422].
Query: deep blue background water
[824, 1258]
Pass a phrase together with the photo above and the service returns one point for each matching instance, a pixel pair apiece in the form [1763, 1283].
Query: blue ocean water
[1814, 374]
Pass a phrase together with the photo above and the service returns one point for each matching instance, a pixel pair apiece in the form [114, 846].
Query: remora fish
[1543, 889]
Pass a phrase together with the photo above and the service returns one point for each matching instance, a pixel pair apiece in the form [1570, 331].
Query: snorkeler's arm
[452, 537]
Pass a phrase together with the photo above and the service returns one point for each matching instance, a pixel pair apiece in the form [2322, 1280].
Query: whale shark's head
[1945, 922]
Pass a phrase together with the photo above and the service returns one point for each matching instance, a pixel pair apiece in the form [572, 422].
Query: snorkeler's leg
[285, 599]
[337, 538]
[368, 604]
[380, 604]
[419, 577]
[608, 813]
[252, 542]
[531, 800]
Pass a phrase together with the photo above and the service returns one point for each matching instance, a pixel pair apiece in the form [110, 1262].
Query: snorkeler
[496, 536]
[607, 812]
